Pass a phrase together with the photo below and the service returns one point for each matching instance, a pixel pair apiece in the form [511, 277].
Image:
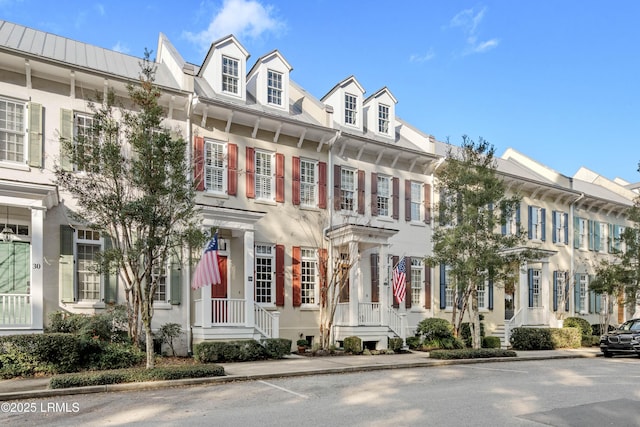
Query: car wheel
[607, 353]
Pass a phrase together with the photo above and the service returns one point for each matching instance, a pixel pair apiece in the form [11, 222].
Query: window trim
[89, 242]
[417, 187]
[312, 185]
[262, 177]
[224, 168]
[227, 77]
[353, 190]
[384, 119]
[313, 260]
[275, 88]
[272, 280]
[388, 197]
[350, 109]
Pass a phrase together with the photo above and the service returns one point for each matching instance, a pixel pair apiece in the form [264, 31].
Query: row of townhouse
[287, 179]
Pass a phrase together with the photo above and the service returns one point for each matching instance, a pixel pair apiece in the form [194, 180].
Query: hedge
[230, 351]
[545, 338]
[470, 353]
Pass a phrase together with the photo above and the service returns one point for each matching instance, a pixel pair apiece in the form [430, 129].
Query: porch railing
[228, 312]
[341, 317]
[395, 322]
[514, 322]
[369, 314]
[15, 310]
[266, 323]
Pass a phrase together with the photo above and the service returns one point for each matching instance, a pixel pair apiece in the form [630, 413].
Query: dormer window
[230, 75]
[383, 118]
[274, 88]
[350, 109]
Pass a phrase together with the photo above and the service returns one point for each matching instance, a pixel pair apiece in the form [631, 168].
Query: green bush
[169, 332]
[135, 375]
[578, 322]
[352, 345]
[465, 333]
[26, 355]
[531, 339]
[434, 328]
[566, 337]
[449, 343]
[491, 342]
[395, 344]
[110, 325]
[414, 342]
[117, 356]
[597, 329]
[277, 348]
[470, 353]
[590, 341]
[229, 351]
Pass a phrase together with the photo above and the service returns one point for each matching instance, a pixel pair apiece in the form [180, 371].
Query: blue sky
[555, 80]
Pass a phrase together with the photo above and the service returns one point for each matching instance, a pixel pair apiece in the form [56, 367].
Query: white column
[523, 290]
[545, 286]
[249, 288]
[354, 284]
[37, 273]
[383, 284]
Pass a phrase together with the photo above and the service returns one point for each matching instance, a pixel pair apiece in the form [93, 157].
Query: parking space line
[494, 369]
[284, 389]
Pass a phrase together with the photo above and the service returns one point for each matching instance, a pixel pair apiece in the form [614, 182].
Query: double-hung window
[449, 288]
[274, 88]
[215, 166]
[583, 233]
[536, 223]
[87, 144]
[384, 196]
[417, 280]
[162, 280]
[12, 130]
[347, 189]
[308, 182]
[265, 289]
[560, 227]
[582, 281]
[603, 236]
[88, 244]
[264, 176]
[350, 109]
[535, 291]
[482, 295]
[230, 75]
[308, 279]
[383, 119]
[416, 200]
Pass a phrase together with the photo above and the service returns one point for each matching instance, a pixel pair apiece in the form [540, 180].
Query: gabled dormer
[346, 99]
[225, 68]
[268, 81]
[380, 113]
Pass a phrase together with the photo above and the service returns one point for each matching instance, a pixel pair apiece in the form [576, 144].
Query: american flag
[208, 271]
[399, 277]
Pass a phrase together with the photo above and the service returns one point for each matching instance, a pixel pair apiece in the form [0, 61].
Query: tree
[467, 237]
[132, 184]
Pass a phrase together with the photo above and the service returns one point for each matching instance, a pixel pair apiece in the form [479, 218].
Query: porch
[371, 322]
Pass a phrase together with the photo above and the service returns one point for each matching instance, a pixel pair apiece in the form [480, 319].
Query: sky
[557, 80]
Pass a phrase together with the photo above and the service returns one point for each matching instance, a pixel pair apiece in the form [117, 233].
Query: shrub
[531, 339]
[597, 329]
[395, 344]
[434, 328]
[590, 341]
[168, 332]
[414, 342]
[117, 356]
[566, 337]
[578, 322]
[443, 343]
[110, 325]
[26, 355]
[229, 351]
[277, 348]
[491, 342]
[135, 375]
[465, 333]
[353, 345]
[470, 353]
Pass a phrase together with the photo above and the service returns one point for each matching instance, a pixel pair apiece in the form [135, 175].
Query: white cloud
[119, 47]
[422, 58]
[468, 20]
[99, 8]
[242, 18]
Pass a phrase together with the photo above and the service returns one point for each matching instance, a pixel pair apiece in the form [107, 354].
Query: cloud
[422, 58]
[468, 20]
[242, 18]
[99, 8]
[119, 47]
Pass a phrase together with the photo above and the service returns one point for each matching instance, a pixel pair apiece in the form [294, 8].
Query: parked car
[624, 340]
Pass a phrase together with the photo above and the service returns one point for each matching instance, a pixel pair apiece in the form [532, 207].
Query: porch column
[523, 290]
[354, 283]
[545, 286]
[249, 288]
[37, 273]
[383, 284]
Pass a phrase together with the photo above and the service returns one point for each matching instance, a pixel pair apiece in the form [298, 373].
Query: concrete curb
[186, 382]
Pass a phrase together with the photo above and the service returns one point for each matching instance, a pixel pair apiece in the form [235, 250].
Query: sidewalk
[292, 365]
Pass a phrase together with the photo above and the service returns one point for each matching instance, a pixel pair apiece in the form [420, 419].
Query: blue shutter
[590, 234]
[555, 289]
[566, 291]
[490, 285]
[566, 229]
[443, 287]
[175, 283]
[592, 301]
[543, 224]
[610, 240]
[598, 303]
[576, 232]
[554, 226]
[505, 219]
[596, 236]
[518, 217]
[530, 280]
[530, 223]
[576, 294]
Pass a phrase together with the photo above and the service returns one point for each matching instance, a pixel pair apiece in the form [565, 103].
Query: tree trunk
[151, 360]
[476, 339]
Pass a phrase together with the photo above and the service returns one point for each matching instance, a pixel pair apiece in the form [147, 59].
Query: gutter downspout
[572, 265]
[325, 230]
[190, 105]
[433, 193]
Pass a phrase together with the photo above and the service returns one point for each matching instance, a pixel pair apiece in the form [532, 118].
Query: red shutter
[279, 177]
[322, 185]
[280, 275]
[361, 192]
[295, 180]
[232, 172]
[407, 282]
[396, 198]
[427, 203]
[374, 194]
[322, 255]
[407, 200]
[198, 162]
[296, 269]
[394, 261]
[250, 168]
[336, 187]
[427, 287]
[375, 278]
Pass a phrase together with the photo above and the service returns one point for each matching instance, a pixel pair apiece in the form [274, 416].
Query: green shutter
[576, 294]
[596, 236]
[66, 267]
[110, 278]
[66, 134]
[576, 232]
[590, 234]
[35, 135]
[175, 280]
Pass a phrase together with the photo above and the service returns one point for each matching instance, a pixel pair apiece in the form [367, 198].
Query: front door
[220, 309]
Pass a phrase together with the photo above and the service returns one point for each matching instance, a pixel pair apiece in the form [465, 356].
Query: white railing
[395, 322]
[266, 323]
[15, 310]
[516, 321]
[227, 312]
[369, 314]
[341, 317]
[536, 316]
